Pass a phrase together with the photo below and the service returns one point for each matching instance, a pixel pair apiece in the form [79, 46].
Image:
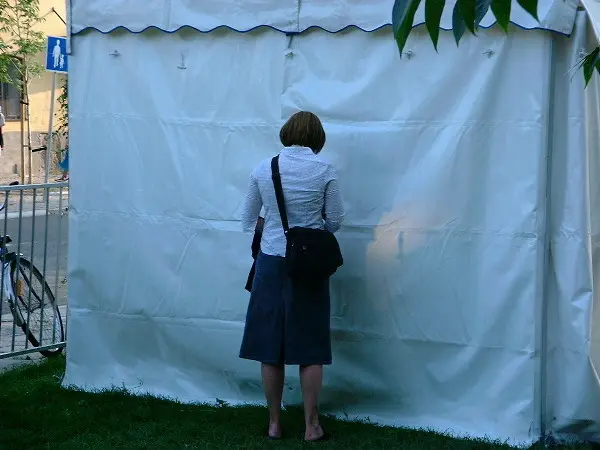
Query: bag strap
[279, 193]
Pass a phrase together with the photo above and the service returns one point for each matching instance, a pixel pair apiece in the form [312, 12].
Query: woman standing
[288, 323]
[2, 123]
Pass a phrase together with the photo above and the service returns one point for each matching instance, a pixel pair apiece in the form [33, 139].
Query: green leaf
[501, 9]
[467, 10]
[403, 16]
[589, 63]
[458, 24]
[433, 17]
[481, 9]
[531, 6]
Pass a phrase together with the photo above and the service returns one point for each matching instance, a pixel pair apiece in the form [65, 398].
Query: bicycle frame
[8, 285]
[8, 270]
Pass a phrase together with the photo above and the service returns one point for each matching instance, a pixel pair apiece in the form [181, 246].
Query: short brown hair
[304, 129]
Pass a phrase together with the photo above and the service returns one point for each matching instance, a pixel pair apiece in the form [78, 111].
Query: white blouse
[310, 188]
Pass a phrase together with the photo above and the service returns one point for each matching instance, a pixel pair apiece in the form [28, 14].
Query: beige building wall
[40, 96]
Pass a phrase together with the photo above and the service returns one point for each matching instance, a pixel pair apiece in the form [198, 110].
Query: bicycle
[25, 309]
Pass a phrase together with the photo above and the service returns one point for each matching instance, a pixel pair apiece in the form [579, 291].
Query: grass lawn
[36, 413]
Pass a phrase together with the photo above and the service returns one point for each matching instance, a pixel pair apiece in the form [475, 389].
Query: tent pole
[546, 249]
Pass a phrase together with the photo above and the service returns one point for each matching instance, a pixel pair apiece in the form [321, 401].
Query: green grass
[36, 413]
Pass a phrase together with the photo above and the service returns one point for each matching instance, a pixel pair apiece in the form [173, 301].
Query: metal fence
[33, 257]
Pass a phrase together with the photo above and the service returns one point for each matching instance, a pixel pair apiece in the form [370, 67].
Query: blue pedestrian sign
[57, 59]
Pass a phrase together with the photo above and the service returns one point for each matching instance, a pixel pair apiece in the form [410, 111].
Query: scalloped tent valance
[289, 16]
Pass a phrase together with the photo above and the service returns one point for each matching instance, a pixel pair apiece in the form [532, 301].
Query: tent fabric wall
[447, 301]
[284, 15]
[592, 8]
[435, 312]
[573, 402]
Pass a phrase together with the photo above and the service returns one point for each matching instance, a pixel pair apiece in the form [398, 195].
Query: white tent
[471, 180]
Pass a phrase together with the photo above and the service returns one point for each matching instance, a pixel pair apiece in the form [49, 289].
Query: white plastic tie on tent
[289, 51]
[182, 65]
[581, 54]
[115, 53]
[489, 53]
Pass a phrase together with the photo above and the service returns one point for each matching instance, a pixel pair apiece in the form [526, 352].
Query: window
[10, 97]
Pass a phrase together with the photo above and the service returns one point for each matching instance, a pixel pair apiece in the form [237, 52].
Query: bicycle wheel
[43, 322]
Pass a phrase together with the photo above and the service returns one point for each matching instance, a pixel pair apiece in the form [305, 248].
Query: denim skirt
[286, 322]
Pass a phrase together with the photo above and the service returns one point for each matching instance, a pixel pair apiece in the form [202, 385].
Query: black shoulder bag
[311, 254]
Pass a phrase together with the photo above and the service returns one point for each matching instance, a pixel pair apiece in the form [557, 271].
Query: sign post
[57, 61]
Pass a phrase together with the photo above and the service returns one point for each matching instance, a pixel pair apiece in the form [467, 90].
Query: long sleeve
[252, 206]
[334, 207]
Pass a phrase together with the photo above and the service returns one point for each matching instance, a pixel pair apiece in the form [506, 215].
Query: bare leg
[272, 377]
[311, 380]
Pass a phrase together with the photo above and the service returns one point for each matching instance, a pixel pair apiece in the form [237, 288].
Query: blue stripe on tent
[313, 27]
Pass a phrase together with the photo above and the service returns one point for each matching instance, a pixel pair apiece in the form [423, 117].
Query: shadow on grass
[37, 413]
